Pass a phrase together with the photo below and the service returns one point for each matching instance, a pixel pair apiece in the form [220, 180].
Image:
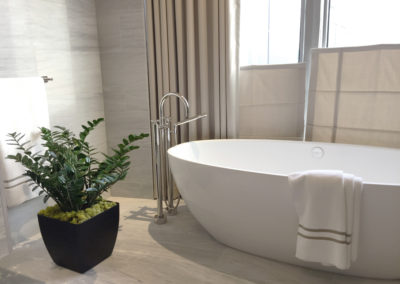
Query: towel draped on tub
[328, 206]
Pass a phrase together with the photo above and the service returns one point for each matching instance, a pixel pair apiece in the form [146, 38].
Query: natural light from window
[363, 22]
[269, 32]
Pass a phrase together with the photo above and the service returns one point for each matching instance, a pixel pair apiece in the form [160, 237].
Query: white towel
[23, 109]
[328, 206]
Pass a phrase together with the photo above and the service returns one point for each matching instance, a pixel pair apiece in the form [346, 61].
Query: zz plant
[67, 170]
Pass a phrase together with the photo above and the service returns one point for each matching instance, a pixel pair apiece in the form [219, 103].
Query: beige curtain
[193, 50]
[354, 95]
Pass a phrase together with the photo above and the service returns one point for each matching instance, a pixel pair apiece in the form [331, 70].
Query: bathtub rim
[172, 149]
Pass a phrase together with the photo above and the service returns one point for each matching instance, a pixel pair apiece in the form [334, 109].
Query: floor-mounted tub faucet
[162, 177]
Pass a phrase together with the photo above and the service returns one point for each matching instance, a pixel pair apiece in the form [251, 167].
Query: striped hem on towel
[324, 235]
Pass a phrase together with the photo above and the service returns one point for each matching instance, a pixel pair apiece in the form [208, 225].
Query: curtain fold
[354, 95]
[193, 50]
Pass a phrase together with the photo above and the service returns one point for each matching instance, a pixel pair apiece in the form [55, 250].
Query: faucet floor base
[160, 219]
[172, 211]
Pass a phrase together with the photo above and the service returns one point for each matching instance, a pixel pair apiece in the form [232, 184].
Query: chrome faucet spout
[162, 102]
[190, 119]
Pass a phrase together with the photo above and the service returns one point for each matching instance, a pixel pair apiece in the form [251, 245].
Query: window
[270, 29]
[363, 22]
[269, 32]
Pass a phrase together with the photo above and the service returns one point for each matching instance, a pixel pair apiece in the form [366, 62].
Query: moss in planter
[77, 217]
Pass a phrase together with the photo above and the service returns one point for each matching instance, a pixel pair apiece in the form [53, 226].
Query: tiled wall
[57, 38]
[271, 101]
[124, 68]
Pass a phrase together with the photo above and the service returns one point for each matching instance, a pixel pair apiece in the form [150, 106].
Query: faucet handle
[190, 119]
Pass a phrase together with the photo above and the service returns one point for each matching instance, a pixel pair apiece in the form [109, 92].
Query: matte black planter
[80, 247]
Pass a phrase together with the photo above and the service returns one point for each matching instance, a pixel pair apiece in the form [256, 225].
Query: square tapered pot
[80, 247]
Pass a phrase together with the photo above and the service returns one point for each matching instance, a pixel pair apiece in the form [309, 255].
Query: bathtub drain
[317, 152]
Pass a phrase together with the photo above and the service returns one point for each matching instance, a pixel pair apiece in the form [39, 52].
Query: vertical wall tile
[124, 70]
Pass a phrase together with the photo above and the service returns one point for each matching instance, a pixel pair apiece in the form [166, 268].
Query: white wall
[271, 101]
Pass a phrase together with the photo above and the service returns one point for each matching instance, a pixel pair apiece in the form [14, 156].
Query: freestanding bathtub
[238, 191]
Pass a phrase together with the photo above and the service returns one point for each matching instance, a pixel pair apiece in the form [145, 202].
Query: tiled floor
[180, 251]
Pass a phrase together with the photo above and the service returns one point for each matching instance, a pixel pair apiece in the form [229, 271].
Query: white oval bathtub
[238, 191]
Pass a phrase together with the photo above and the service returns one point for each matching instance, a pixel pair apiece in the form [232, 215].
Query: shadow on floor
[183, 235]
[10, 277]
[143, 214]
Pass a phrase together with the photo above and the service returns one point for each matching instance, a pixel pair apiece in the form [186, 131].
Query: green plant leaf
[67, 170]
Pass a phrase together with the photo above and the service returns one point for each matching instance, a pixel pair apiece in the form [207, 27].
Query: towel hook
[46, 79]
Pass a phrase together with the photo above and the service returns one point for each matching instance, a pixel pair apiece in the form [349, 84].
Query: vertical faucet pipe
[163, 132]
[160, 217]
[165, 142]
